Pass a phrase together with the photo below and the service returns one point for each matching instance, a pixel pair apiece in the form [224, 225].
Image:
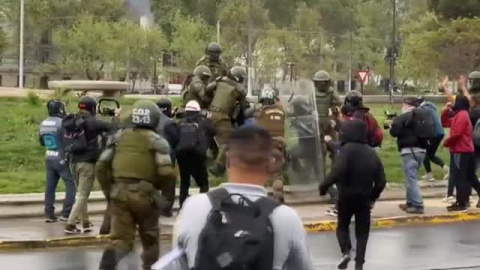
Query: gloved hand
[322, 190]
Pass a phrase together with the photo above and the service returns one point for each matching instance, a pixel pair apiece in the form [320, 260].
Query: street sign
[363, 76]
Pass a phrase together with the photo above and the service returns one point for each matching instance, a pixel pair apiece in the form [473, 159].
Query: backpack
[237, 236]
[423, 124]
[190, 138]
[74, 137]
[476, 134]
[374, 132]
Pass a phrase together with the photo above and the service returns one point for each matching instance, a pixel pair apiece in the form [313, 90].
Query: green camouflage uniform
[228, 93]
[196, 91]
[218, 68]
[326, 101]
[133, 191]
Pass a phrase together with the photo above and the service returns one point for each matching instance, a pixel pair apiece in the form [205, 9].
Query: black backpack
[74, 137]
[190, 141]
[237, 236]
[423, 124]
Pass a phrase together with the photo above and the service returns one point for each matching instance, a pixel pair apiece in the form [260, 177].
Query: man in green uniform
[213, 61]
[135, 165]
[327, 100]
[196, 89]
[474, 81]
[227, 93]
[270, 115]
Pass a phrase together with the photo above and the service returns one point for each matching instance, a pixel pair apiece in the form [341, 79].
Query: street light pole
[20, 61]
[249, 79]
[393, 50]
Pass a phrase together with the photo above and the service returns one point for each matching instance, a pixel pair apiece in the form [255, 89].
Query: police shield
[306, 167]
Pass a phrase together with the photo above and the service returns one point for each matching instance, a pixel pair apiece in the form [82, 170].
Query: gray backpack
[476, 134]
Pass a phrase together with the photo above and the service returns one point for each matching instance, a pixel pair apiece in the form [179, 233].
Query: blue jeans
[411, 164]
[55, 170]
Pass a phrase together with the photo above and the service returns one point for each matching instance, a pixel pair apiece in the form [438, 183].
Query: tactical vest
[272, 118]
[134, 157]
[218, 68]
[226, 96]
[324, 102]
[50, 135]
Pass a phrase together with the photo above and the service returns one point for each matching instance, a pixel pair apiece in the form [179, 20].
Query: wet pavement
[453, 246]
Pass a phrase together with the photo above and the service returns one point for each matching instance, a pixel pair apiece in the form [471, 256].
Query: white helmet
[192, 106]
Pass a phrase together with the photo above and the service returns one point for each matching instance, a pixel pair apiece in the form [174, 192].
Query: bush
[33, 98]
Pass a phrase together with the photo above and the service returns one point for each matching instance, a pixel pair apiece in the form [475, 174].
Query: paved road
[453, 246]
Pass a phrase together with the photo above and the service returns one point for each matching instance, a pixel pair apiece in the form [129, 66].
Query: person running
[434, 143]
[360, 183]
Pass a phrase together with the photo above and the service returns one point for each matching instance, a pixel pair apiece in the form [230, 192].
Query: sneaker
[71, 229]
[414, 210]
[87, 226]
[428, 177]
[63, 219]
[403, 206]
[446, 170]
[456, 208]
[344, 261]
[358, 266]
[332, 212]
[449, 199]
[51, 219]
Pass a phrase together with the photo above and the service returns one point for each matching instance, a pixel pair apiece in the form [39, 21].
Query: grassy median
[22, 157]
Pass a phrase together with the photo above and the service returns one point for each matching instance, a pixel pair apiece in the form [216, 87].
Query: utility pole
[218, 31]
[20, 60]
[393, 50]
[249, 21]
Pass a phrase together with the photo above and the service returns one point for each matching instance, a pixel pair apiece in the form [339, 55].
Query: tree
[190, 37]
[455, 9]
[234, 16]
[85, 46]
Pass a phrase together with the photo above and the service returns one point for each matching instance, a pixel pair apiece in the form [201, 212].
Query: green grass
[22, 157]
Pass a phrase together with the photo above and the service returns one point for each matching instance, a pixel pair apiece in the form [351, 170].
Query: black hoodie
[358, 171]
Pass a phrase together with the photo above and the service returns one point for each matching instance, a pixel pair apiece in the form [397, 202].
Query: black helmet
[214, 47]
[354, 98]
[165, 105]
[88, 103]
[214, 50]
[56, 108]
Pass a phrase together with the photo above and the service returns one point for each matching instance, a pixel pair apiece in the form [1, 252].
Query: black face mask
[214, 56]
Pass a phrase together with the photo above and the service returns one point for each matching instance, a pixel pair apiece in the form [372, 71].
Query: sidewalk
[31, 205]
[22, 234]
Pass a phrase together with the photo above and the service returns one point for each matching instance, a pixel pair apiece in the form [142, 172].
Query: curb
[391, 222]
[310, 227]
[62, 242]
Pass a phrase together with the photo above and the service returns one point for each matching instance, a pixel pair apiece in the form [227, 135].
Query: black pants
[195, 166]
[463, 172]
[431, 154]
[347, 207]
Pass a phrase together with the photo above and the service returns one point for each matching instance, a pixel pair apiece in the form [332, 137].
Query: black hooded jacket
[358, 171]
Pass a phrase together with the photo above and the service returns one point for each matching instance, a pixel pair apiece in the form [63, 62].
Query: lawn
[22, 157]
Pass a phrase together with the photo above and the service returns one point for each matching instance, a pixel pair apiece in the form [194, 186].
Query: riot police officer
[474, 81]
[228, 93]
[213, 61]
[327, 100]
[196, 89]
[271, 116]
[135, 165]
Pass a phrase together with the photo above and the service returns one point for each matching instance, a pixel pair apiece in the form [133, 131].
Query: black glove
[322, 190]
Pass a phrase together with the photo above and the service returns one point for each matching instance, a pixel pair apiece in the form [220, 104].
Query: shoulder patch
[159, 144]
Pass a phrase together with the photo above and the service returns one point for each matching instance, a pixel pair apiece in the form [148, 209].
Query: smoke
[140, 7]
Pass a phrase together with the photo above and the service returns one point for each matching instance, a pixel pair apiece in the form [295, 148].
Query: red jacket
[460, 139]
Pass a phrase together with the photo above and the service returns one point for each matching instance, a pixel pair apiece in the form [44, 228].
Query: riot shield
[306, 167]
